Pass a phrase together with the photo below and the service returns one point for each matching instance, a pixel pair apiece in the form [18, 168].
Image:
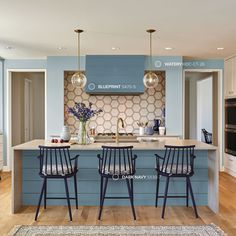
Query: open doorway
[203, 106]
[26, 108]
[198, 104]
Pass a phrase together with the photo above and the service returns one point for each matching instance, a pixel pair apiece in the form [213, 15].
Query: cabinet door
[233, 78]
[228, 84]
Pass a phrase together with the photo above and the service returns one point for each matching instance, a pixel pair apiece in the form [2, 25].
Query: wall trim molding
[220, 108]
[8, 110]
[222, 169]
[6, 169]
[230, 172]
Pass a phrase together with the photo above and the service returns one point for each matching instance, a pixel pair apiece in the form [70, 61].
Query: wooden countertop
[158, 145]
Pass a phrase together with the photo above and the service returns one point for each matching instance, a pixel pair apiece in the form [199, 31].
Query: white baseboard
[222, 169]
[6, 169]
[233, 173]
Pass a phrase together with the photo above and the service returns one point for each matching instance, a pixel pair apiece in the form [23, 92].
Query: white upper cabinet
[230, 77]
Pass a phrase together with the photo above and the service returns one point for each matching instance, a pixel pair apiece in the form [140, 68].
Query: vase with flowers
[83, 113]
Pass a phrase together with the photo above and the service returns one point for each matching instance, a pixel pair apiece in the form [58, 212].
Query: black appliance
[157, 123]
[230, 126]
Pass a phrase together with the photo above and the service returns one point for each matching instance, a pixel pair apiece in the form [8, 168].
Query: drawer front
[230, 162]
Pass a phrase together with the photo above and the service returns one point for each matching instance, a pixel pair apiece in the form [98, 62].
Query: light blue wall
[173, 67]
[55, 90]
[15, 64]
[203, 64]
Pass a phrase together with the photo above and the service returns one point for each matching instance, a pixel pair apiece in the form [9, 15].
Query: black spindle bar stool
[56, 163]
[116, 163]
[178, 161]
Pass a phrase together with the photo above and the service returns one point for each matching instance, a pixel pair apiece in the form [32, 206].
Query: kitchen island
[26, 183]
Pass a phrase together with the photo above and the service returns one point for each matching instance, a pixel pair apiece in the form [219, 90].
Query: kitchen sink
[112, 139]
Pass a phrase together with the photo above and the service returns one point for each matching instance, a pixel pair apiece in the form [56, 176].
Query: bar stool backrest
[117, 160]
[55, 161]
[177, 160]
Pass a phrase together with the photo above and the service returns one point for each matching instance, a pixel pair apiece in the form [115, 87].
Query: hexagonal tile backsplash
[133, 108]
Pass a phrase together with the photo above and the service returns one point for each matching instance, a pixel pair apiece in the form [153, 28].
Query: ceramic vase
[65, 134]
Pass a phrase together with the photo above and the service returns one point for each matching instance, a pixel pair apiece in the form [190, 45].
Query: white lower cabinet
[230, 164]
[1, 155]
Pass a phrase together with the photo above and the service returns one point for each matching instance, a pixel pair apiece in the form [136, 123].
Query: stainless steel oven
[230, 113]
[230, 126]
[230, 141]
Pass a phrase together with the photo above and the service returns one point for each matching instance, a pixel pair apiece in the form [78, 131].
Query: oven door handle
[230, 130]
[230, 105]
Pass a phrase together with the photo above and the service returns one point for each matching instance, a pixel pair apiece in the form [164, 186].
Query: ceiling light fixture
[150, 79]
[220, 48]
[9, 47]
[115, 48]
[79, 79]
[61, 48]
[168, 48]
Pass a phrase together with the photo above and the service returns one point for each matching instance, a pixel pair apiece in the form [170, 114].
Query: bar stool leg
[157, 189]
[130, 191]
[165, 197]
[68, 198]
[45, 194]
[187, 193]
[132, 188]
[192, 196]
[103, 191]
[40, 199]
[76, 191]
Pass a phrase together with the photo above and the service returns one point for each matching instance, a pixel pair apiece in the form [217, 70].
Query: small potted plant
[83, 113]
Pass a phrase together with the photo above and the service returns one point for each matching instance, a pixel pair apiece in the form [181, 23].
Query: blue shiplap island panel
[109, 74]
[89, 181]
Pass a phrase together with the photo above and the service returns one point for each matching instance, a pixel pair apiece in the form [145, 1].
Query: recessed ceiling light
[220, 48]
[9, 47]
[115, 48]
[168, 48]
[61, 48]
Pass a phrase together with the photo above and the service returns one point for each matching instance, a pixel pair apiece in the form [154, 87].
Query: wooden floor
[226, 219]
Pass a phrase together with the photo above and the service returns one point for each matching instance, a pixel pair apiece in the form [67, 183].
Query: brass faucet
[117, 128]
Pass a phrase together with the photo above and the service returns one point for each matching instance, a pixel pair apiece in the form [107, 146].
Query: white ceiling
[36, 28]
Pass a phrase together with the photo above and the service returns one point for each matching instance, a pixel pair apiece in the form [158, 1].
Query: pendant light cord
[79, 31]
[150, 31]
[150, 56]
[79, 51]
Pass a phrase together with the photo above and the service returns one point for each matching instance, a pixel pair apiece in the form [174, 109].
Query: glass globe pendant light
[150, 79]
[79, 79]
